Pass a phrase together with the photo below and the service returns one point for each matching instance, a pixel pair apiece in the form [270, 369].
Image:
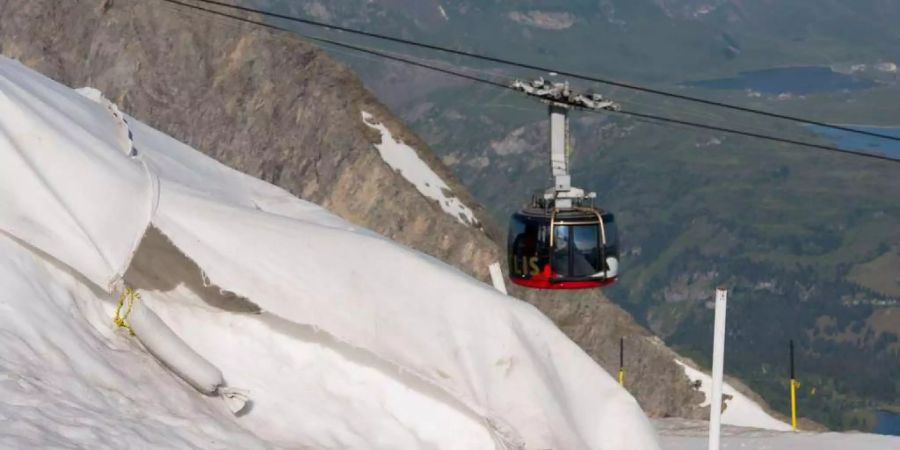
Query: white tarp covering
[490, 357]
[68, 382]
[67, 185]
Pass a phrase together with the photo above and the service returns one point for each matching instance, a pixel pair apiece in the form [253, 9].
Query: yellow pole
[622, 377]
[794, 385]
[622, 361]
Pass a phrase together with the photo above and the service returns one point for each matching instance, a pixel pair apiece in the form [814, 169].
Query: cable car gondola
[561, 240]
[552, 248]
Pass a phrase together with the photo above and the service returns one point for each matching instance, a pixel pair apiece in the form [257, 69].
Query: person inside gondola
[525, 252]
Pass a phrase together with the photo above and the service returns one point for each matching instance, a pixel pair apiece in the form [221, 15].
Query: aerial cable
[757, 136]
[605, 81]
[645, 116]
[699, 116]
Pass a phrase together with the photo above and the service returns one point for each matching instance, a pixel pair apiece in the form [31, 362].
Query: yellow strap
[128, 295]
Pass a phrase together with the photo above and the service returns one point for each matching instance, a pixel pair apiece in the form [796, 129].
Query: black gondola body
[573, 248]
[561, 240]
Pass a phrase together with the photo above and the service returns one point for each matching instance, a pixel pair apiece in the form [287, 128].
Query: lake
[792, 80]
[888, 423]
[852, 141]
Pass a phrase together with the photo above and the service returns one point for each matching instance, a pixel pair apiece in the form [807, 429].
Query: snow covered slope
[344, 339]
[678, 434]
[740, 410]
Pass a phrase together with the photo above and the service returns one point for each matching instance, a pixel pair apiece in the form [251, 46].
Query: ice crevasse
[341, 338]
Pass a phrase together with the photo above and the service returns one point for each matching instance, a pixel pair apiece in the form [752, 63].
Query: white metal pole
[718, 366]
[497, 277]
[559, 164]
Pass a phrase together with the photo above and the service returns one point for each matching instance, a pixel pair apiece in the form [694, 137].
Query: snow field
[740, 410]
[678, 434]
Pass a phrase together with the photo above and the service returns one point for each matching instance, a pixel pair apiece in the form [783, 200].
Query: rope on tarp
[129, 296]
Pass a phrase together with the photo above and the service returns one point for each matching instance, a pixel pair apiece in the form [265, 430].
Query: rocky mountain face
[276, 108]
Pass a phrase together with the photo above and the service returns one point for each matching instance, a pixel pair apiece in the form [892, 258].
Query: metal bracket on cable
[561, 98]
[562, 94]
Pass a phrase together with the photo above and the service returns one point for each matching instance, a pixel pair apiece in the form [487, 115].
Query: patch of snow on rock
[740, 410]
[542, 19]
[887, 67]
[704, 10]
[405, 160]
